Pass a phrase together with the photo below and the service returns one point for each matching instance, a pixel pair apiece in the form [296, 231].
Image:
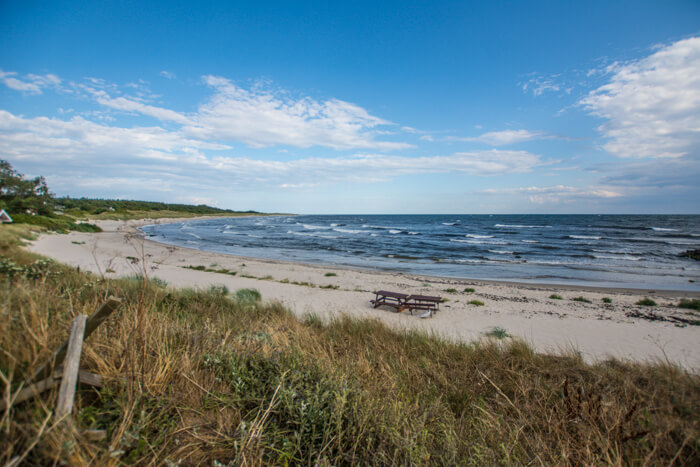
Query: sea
[627, 251]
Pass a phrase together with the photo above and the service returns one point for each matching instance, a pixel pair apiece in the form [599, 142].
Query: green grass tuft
[607, 300]
[469, 290]
[555, 297]
[646, 302]
[476, 303]
[581, 299]
[498, 333]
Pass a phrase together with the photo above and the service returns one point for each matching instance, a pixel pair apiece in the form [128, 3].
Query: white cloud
[558, 193]
[259, 117]
[166, 74]
[540, 84]
[32, 84]
[51, 139]
[131, 105]
[262, 118]
[652, 105]
[500, 138]
[78, 150]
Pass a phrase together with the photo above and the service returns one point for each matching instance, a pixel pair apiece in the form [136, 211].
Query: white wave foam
[351, 231]
[501, 252]
[619, 257]
[662, 229]
[584, 237]
[478, 236]
[530, 241]
[310, 234]
[450, 223]
[413, 233]
[479, 242]
[519, 226]
[315, 227]
[392, 231]
[194, 235]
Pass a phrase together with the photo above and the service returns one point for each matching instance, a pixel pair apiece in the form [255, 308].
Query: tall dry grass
[200, 377]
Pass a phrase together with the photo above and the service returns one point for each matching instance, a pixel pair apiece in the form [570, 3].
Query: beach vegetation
[248, 295]
[451, 290]
[607, 300]
[312, 320]
[203, 377]
[498, 333]
[476, 303]
[556, 297]
[581, 299]
[690, 304]
[469, 290]
[646, 302]
[330, 274]
[330, 286]
[206, 269]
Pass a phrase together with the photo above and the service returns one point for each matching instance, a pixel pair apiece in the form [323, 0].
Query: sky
[358, 107]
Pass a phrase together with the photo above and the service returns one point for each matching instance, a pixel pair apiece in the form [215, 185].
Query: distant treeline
[29, 201]
[98, 206]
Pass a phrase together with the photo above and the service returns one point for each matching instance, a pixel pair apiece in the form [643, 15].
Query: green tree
[18, 194]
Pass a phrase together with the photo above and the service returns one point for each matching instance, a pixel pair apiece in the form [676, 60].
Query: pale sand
[597, 330]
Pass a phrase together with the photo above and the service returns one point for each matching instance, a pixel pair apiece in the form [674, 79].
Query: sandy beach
[597, 330]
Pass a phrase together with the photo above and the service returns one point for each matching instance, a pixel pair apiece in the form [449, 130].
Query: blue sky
[359, 107]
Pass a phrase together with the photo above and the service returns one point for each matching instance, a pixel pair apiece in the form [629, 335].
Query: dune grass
[200, 377]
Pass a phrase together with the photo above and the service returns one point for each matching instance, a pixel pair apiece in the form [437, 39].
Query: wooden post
[92, 323]
[69, 380]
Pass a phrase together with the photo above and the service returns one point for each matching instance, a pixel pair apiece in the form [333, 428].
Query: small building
[5, 217]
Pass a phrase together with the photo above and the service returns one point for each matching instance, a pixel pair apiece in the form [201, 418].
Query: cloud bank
[652, 105]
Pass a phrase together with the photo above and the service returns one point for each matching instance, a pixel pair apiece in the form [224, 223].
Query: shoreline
[467, 280]
[597, 330]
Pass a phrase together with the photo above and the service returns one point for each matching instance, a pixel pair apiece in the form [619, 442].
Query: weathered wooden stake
[69, 380]
[93, 322]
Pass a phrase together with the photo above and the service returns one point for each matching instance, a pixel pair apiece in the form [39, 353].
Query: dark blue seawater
[599, 250]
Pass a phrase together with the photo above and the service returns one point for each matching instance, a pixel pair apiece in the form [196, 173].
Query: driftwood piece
[95, 435]
[69, 379]
[84, 377]
[92, 323]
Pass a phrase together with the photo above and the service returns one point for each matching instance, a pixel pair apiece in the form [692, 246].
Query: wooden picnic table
[401, 301]
[393, 299]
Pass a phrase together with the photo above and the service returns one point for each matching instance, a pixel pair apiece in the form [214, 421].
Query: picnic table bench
[401, 301]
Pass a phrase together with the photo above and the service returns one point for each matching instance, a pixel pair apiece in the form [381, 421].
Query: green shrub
[607, 300]
[469, 290]
[450, 290]
[330, 274]
[555, 297]
[476, 303]
[646, 302]
[248, 295]
[693, 304]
